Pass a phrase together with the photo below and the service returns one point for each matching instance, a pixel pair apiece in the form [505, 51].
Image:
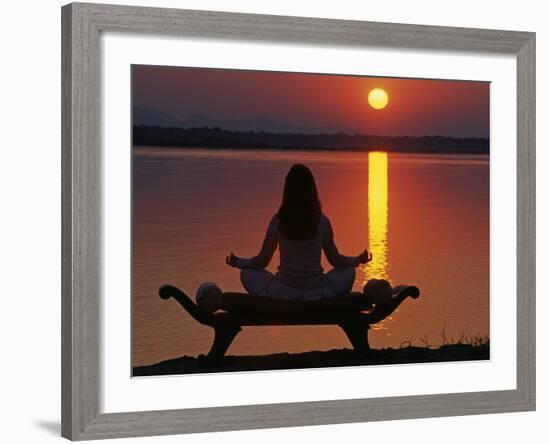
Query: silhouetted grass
[462, 338]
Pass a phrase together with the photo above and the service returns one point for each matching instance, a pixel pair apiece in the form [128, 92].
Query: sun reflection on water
[378, 217]
[378, 223]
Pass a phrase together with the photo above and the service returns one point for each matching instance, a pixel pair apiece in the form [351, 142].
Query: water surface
[424, 217]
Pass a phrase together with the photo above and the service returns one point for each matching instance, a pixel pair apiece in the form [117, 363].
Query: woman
[301, 231]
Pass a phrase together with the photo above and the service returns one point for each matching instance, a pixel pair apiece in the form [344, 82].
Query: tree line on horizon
[220, 138]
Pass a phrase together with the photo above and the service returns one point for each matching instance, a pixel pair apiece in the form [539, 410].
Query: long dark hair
[301, 209]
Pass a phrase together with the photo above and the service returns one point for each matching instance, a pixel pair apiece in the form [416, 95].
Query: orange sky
[416, 106]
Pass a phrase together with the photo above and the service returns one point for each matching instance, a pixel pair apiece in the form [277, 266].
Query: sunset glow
[310, 103]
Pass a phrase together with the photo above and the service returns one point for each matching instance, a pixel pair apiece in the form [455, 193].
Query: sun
[378, 98]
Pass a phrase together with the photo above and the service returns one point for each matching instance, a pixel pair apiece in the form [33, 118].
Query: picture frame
[82, 24]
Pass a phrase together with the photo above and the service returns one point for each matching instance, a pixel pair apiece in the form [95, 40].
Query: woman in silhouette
[301, 231]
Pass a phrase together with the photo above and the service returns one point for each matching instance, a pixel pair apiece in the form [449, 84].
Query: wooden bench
[353, 313]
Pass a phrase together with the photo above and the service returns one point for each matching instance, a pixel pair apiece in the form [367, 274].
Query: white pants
[264, 283]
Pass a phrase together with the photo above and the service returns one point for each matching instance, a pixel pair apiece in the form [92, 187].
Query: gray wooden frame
[81, 167]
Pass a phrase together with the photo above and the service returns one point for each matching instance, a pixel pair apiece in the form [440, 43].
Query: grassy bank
[318, 359]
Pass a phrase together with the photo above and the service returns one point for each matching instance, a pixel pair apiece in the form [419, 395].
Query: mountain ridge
[151, 117]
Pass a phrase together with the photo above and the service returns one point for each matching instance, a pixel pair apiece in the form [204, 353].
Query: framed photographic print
[278, 221]
[202, 187]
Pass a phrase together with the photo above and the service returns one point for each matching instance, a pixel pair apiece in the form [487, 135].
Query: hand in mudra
[231, 260]
[365, 257]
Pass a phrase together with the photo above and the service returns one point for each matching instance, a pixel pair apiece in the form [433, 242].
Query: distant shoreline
[308, 150]
[216, 138]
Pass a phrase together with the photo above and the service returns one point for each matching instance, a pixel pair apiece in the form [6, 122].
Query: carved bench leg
[224, 334]
[358, 335]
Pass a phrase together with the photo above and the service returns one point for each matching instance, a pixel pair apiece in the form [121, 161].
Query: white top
[300, 259]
